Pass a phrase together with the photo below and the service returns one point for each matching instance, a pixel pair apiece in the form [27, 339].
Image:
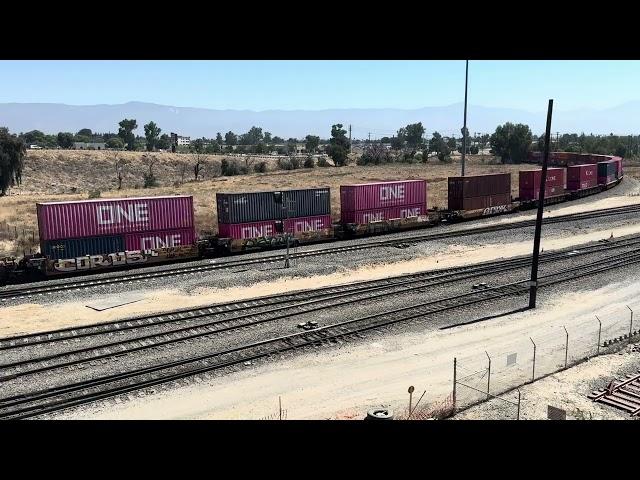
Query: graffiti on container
[264, 242]
[129, 257]
[496, 209]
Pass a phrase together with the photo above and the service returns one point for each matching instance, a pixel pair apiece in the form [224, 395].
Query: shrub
[260, 167]
[474, 150]
[322, 162]
[444, 158]
[230, 168]
[94, 194]
[289, 163]
[150, 180]
[309, 163]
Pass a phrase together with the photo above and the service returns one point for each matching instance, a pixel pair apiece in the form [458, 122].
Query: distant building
[89, 145]
[35, 147]
[179, 140]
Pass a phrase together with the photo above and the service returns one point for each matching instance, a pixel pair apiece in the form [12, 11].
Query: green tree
[511, 142]
[438, 145]
[230, 138]
[85, 132]
[399, 140]
[125, 132]
[339, 145]
[34, 137]
[65, 139]
[267, 137]
[219, 140]
[152, 134]
[12, 152]
[451, 143]
[311, 143]
[413, 134]
[115, 142]
[278, 140]
[164, 142]
[252, 137]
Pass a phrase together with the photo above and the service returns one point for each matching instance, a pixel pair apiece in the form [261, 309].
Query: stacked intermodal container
[608, 171]
[259, 214]
[374, 202]
[581, 177]
[530, 183]
[93, 227]
[479, 191]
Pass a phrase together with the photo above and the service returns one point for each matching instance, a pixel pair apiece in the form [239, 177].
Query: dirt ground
[345, 382]
[78, 172]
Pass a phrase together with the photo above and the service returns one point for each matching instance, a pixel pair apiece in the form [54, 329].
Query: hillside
[69, 175]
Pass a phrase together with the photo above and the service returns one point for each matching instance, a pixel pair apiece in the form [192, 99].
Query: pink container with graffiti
[382, 214]
[159, 239]
[268, 228]
[369, 196]
[91, 218]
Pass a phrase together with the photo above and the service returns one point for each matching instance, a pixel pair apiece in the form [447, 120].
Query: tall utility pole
[464, 128]
[533, 284]
[349, 138]
[369, 137]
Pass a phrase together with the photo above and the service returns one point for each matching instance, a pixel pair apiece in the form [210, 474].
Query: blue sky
[317, 85]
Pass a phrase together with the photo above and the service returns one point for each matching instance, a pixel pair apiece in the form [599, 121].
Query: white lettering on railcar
[390, 192]
[409, 212]
[160, 242]
[254, 232]
[588, 173]
[373, 217]
[115, 214]
[307, 225]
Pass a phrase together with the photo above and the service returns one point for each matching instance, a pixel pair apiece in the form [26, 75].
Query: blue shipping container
[79, 247]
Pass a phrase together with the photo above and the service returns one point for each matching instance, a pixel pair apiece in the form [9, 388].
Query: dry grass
[51, 175]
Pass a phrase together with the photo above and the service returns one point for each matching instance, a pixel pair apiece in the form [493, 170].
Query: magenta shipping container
[530, 179]
[159, 239]
[549, 191]
[267, 228]
[580, 177]
[369, 196]
[91, 218]
[381, 214]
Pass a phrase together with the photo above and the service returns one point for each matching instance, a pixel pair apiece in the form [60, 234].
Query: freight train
[96, 235]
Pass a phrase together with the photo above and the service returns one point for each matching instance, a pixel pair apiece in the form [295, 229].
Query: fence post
[566, 348]
[518, 414]
[533, 374]
[599, 334]
[454, 383]
[280, 404]
[15, 230]
[489, 375]
[630, 324]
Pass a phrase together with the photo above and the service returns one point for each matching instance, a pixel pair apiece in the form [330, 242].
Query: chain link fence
[497, 372]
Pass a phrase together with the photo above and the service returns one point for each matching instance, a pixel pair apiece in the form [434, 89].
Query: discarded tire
[379, 414]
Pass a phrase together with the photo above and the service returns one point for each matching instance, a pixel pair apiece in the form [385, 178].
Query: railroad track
[78, 393]
[623, 394]
[40, 290]
[219, 319]
[246, 312]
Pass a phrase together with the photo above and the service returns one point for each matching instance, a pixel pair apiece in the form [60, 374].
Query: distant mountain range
[199, 122]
